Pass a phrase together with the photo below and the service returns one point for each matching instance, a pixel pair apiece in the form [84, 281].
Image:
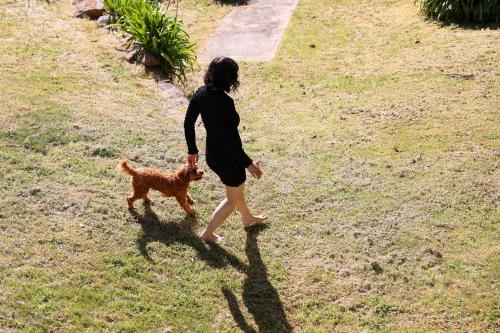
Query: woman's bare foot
[211, 238]
[259, 219]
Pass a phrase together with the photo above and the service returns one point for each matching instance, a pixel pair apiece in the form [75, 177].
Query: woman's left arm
[235, 146]
[244, 160]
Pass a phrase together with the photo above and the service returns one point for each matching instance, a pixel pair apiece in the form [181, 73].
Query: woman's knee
[234, 201]
[231, 200]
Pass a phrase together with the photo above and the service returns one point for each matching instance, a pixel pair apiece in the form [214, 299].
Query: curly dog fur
[169, 184]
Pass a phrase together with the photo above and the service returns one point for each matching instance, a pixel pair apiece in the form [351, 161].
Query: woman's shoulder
[205, 92]
[200, 92]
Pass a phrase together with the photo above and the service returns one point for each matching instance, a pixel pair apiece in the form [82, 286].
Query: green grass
[375, 153]
[478, 11]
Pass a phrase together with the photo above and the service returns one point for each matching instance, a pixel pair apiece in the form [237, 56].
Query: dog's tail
[126, 169]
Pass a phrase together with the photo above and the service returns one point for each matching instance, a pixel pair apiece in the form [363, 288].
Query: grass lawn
[380, 144]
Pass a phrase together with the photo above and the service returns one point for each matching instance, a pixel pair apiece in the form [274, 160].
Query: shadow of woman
[259, 296]
[153, 230]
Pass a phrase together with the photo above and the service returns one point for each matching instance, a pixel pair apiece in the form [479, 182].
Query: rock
[127, 37]
[124, 47]
[65, 206]
[461, 76]
[132, 55]
[89, 8]
[150, 60]
[35, 191]
[171, 92]
[104, 20]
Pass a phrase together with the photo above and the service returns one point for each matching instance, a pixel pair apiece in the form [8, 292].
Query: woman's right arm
[192, 114]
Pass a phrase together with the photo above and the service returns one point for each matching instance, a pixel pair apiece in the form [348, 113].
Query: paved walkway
[251, 32]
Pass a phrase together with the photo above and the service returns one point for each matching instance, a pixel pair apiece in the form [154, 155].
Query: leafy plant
[155, 32]
[462, 11]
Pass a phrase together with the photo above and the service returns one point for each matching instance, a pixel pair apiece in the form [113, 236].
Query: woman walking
[224, 150]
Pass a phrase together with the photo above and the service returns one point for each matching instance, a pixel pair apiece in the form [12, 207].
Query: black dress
[224, 151]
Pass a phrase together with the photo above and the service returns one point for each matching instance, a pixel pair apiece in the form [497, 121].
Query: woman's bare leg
[219, 215]
[235, 198]
[238, 195]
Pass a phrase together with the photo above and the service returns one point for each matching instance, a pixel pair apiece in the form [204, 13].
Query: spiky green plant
[157, 33]
[462, 11]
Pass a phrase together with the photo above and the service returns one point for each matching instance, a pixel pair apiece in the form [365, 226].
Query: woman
[224, 151]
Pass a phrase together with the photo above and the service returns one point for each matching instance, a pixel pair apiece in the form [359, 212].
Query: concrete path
[251, 32]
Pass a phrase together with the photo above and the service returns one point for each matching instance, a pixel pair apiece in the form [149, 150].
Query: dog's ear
[186, 169]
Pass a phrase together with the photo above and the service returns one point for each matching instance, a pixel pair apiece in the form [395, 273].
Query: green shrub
[156, 33]
[462, 11]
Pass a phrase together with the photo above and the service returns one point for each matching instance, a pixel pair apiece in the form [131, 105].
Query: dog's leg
[131, 199]
[138, 194]
[185, 205]
[189, 199]
[147, 201]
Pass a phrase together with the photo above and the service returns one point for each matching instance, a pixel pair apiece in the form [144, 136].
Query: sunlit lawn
[380, 153]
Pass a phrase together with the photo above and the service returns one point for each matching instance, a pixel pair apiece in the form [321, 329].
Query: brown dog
[169, 184]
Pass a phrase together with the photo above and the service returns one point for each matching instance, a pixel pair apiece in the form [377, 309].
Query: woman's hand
[192, 159]
[255, 170]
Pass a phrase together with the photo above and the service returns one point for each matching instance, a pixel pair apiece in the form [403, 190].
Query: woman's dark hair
[222, 73]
